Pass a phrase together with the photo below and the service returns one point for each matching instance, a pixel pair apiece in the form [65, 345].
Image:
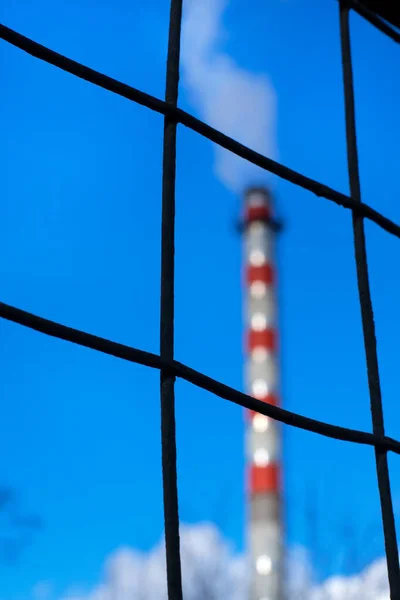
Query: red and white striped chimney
[263, 434]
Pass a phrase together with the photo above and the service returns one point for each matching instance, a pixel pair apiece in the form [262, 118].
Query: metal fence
[169, 368]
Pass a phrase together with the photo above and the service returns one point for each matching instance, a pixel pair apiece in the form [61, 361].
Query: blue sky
[80, 243]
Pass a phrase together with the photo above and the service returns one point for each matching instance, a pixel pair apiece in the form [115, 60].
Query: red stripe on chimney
[264, 480]
[266, 339]
[265, 273]
[255, 213]
[269, 399]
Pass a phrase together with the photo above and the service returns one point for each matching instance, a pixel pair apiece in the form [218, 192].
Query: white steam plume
[211, 571]
[238, 103]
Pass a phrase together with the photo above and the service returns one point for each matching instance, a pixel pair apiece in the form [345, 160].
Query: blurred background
[80, 469]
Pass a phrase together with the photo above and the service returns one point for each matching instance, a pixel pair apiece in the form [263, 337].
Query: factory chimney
[263, 486]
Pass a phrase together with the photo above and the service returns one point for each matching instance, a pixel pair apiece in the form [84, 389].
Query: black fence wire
[165, 363]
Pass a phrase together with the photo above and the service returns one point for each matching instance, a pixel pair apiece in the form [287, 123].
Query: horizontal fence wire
[178, 369]
[376, 21]
[169, 368]
[367, 314]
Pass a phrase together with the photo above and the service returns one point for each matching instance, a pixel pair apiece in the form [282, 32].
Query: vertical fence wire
[167, 379]
[367, 314]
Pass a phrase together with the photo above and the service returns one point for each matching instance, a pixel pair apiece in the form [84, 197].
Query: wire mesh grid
[164, 362]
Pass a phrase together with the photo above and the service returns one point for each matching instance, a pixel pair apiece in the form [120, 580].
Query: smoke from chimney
[239, 103]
